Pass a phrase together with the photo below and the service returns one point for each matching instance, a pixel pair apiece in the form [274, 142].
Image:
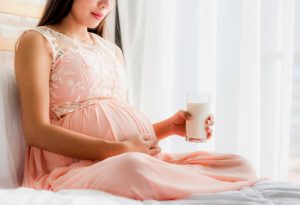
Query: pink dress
[88, 94]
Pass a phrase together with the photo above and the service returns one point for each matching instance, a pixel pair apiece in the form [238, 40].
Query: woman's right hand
[142, 143]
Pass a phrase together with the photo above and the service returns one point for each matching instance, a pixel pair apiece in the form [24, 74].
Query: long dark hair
[56, 10]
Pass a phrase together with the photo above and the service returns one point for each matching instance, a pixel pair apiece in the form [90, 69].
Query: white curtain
[294, 172]
[240, 51]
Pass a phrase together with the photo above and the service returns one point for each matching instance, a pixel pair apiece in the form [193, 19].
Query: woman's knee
[129, 161]
[133, 160]
[247, 167]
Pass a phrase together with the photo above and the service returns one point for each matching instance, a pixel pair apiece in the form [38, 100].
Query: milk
[195, 128]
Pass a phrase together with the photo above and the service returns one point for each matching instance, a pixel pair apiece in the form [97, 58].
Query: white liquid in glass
[195, 128]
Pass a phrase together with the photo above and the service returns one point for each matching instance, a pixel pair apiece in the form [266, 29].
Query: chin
[92, 24]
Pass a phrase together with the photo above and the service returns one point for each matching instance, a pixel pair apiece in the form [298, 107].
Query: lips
[97, 15]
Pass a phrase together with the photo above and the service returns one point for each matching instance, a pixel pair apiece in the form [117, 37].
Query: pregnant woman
[80, 131]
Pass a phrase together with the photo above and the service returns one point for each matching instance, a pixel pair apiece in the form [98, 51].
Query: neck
[71, 27]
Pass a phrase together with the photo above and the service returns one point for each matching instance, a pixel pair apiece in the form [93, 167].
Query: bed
[12, 148]
[263, 193]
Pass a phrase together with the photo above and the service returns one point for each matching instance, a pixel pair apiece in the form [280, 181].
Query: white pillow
[12, 143]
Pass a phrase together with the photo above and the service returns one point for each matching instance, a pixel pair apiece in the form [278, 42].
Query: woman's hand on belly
[142, 143]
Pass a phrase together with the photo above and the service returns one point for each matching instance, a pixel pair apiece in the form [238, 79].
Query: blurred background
[245, 53]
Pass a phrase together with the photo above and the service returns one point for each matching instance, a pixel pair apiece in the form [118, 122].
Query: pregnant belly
[109, 120]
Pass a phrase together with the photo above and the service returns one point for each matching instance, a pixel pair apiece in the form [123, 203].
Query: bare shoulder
[32, 41]
[32, 54]
[33, 57]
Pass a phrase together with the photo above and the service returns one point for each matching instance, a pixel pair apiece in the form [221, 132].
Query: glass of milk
[198, 105]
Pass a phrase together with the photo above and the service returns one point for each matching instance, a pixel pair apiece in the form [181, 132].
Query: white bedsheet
[264, 192]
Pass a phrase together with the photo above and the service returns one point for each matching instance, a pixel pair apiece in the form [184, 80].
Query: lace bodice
[82, 74]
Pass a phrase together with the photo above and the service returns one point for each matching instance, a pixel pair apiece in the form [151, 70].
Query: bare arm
[32, 67]
[162, 129]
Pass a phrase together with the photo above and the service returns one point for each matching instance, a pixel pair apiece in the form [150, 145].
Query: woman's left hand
[177, 123]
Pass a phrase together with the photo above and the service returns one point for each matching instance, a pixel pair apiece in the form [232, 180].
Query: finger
[209, 130]
[209, 136]
[146, 137]
[184, 114]
[211, 117]
[154, 151]
[153, 142]
[209, 122]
